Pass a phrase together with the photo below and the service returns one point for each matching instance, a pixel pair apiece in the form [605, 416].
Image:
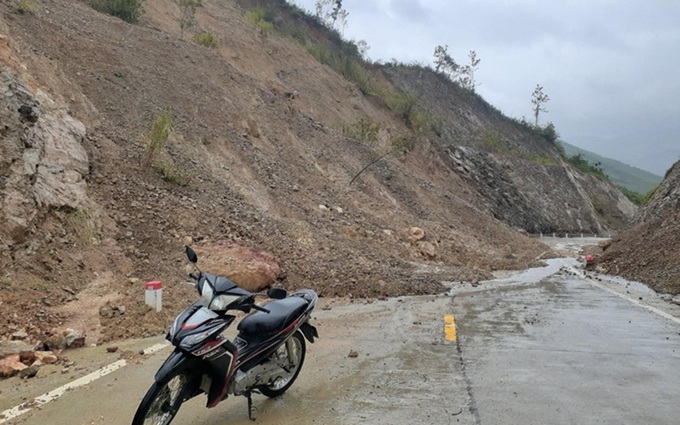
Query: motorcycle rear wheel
[297, 357]
[163, 400]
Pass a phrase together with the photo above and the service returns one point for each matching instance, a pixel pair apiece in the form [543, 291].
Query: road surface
[545, 346]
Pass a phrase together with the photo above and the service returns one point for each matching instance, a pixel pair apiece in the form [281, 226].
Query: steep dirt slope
[520, 175]
[257, 132]
[650, 251]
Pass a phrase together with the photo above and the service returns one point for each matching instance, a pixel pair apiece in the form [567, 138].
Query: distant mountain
[632, 178]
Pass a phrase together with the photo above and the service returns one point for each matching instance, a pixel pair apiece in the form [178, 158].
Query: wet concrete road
[543, 347]
[565, 351]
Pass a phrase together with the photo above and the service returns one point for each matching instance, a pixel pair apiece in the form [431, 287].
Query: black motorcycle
[265, 357]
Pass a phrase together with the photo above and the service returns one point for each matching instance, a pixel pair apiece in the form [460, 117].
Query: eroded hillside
[650, 251]
[264, 166]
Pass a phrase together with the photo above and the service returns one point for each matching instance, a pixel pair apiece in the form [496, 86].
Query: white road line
[55, 394]
[627, 298]
[155, 348]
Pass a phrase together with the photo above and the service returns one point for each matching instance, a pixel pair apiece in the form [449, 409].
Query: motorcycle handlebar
[258, 308]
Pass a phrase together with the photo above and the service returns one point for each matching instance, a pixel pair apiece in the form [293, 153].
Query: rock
[55, 342]
[19, 335]
[29, 372]
[353, 354]
[111, 349]
[415, 234]
[27, 357]
[46, 357]
[427, 250]
[74, 338]
[10, 366]
[13, 347]
[106, 311]
[250, 269]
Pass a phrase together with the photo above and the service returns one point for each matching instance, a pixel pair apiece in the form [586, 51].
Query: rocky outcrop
[541, 198]
[43, 160]
[521, 177]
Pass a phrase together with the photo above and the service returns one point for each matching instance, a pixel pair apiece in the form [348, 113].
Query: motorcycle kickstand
[249, 395]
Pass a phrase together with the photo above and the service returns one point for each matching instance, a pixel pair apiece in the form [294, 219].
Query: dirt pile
[650, 251]
[264, 163]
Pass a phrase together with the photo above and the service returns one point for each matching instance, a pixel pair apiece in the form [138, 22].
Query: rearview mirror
[277, 293]
[191, 254]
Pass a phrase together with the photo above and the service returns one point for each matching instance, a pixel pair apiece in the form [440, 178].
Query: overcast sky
[610, 67]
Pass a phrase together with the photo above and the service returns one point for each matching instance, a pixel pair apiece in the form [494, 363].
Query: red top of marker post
[155, 285]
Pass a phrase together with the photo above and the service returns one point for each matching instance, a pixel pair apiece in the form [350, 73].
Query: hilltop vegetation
[621, 174]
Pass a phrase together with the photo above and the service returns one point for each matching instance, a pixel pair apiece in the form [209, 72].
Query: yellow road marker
[450, 327]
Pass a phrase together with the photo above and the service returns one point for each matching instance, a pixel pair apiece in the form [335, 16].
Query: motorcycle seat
[282, 313]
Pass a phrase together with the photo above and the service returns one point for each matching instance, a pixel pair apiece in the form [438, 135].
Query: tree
[443, 62]
[467, 77]
[362, 47]
[539, 99]
[330, 12]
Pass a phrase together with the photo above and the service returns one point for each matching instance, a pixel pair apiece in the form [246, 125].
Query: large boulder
[250, 269]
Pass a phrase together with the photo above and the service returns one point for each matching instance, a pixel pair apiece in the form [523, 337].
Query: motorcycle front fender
[177, 360]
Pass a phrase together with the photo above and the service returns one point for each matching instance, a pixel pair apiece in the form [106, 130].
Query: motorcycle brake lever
[262, 309]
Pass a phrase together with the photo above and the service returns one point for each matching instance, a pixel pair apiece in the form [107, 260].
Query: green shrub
[320, 53]
[425, 122]
[83, 225]
[403, 104]
[547, 133]
[206, 39]
[541, 159]
[490, 140]
[24, 7]
[158, 136]
[403, 144]
[362, 129]
[171, 174]
[262, 18]
[127, 10]
[354, 71]
[584, 165]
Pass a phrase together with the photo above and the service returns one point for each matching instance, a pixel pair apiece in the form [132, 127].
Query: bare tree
[331, 12]
[539, 99]
[362, 47]
[443, 62]
[467, 77]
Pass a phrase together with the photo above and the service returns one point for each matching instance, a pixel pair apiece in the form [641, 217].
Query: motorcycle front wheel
[161, 403]
[292, 355]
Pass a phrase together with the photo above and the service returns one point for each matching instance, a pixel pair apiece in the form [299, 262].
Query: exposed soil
[650, 251]
[258, 134]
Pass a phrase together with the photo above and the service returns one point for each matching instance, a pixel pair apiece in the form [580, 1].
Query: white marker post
[153, 295]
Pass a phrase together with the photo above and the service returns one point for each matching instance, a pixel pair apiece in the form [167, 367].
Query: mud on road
[548, 345]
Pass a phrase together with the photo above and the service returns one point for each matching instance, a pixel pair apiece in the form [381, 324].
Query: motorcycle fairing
[221, 367]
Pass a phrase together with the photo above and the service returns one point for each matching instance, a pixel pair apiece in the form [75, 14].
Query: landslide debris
[650, 251]
[264, 161]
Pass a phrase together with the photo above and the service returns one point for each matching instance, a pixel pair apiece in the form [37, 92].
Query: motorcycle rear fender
[309, 331]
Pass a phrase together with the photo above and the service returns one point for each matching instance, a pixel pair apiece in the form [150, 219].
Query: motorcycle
[265, 357]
